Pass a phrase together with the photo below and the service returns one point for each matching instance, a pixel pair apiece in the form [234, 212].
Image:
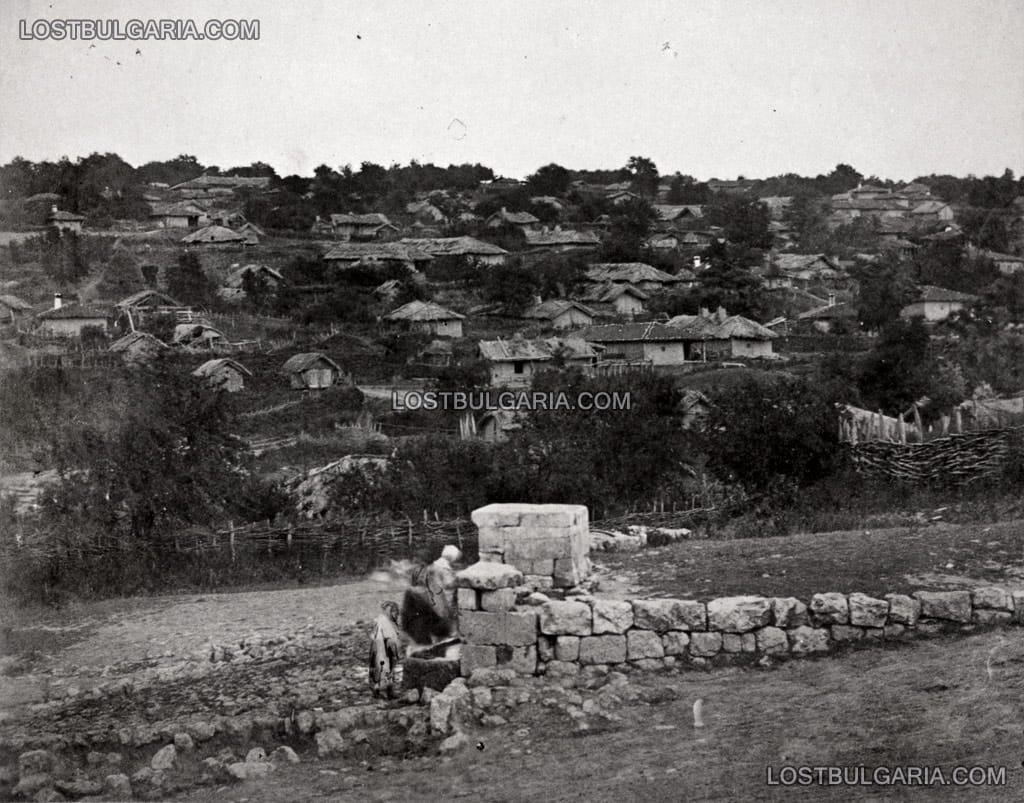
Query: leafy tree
[885, 288]
[687, 190]
[744, 222]
[900, 369]
[552, 179]
[512, 285]
[631, 223]
[643, 176]
[767, 430]
[188, 283]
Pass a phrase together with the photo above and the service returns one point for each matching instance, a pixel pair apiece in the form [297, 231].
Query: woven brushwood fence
[952, 460]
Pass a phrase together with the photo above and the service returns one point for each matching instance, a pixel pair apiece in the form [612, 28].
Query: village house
[620, 197]
[472, 249]
[937, 303]
[70, 320]
[198, 337]
[371, 226]
[312, 370]
[560, 313]
[561, 241]
[513, 362]
[671, 214]
[148, 303]
[214, 235]
[802, 268]
[207, 186]
[428, 317]
[65, 221]
[1006, 264]
[233, 288]
[930, 212]
[438, 354]
[138, 348]
[829, 317]
[615, 299]
[223, 373]
[347, 255]
[181, 214]
[655, 343]
[638, 274]
[13, 309]
[502, 217]
[718, 335]
[663, 242]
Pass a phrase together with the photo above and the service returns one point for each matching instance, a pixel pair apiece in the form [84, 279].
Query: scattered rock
[867, 611]
[29, 784]
[165, 758]
[35, 762]
[954, 606]
[329, 743]
[79, 787]
[183, 742]
[117, 787]
[453, 743]
[830, 608]
[739, 614]
[256, 754]
[247, 770]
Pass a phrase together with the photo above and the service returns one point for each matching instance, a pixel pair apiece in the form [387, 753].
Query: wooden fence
[957, 459]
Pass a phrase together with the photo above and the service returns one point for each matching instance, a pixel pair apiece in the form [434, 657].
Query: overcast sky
[897, 88]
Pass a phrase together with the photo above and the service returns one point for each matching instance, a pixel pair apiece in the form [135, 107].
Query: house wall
[70, 327]
[489, 260]
[630, 352]
[228, 379]
[442, 328]
[931, 310]
[628, 305]
[503, 373]
[742, 347]
[572, 318]
[68, 225]
[671, 352]
[316, 376]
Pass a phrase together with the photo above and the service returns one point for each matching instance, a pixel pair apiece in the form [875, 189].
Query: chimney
[53, 209]
[58, 300]
[831, 299]
[696, 260]
[705, 312]
[538, 300]
[720, 314]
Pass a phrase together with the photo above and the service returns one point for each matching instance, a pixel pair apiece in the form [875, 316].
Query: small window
[517, 367]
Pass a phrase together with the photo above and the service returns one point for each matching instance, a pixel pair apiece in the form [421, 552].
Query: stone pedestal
[549, 544]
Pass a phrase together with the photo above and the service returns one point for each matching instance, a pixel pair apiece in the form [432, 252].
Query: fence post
[231, 531]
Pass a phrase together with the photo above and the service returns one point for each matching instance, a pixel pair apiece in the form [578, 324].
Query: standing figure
[441, 590]
[385, 649]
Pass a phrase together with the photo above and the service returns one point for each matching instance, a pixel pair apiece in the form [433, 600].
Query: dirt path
[945, 703]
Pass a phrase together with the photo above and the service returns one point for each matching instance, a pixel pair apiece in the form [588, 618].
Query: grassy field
[869, 561]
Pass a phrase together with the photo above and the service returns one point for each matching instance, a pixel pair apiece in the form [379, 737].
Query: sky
[896, 88]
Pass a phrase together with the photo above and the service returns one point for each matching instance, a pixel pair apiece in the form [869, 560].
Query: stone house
[428, 317]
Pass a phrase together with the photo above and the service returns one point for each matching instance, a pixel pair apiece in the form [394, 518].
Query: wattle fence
[957, 459]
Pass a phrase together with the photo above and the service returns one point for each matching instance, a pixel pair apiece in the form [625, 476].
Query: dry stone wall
[507, 622]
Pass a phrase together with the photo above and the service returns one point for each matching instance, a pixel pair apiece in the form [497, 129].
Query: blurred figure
[385, 651]
[429, 609]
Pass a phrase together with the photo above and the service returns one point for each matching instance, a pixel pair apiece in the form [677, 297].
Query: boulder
[642, 644]
[611, 616]
[772, 641]
[675, 642]
[183, 742]
[830, 608]
[868, 611]
[601, 650]
[453, 743]
[662, 615]
[705, 645]
[566, 618]
[903, 610]
[992, 597]
[284, 755]
[329, 743]
[118, 787]
[739, 614]
[487, 576]
[165, 758]
[517, 628]
[804, 640]
[954, 606]
[256, 754]
[35, 762]
[248, 770]
[28, 785]
[788, 612]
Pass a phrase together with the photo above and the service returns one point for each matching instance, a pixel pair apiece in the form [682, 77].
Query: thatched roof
[517, 348]
[137, 338]
[629, 272]
[205, 182]
[561, 237]
[515, 218]
[71, 312]
[453, 246]
[609, 291]
[211, 367]
[236, 277]
[300, 362]
[214, 234]
[423, 311]
[930, 292]
[60, 215]
[176, 209]
[185, 332]
[552, 308]
[376, 252]
[145, 298]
